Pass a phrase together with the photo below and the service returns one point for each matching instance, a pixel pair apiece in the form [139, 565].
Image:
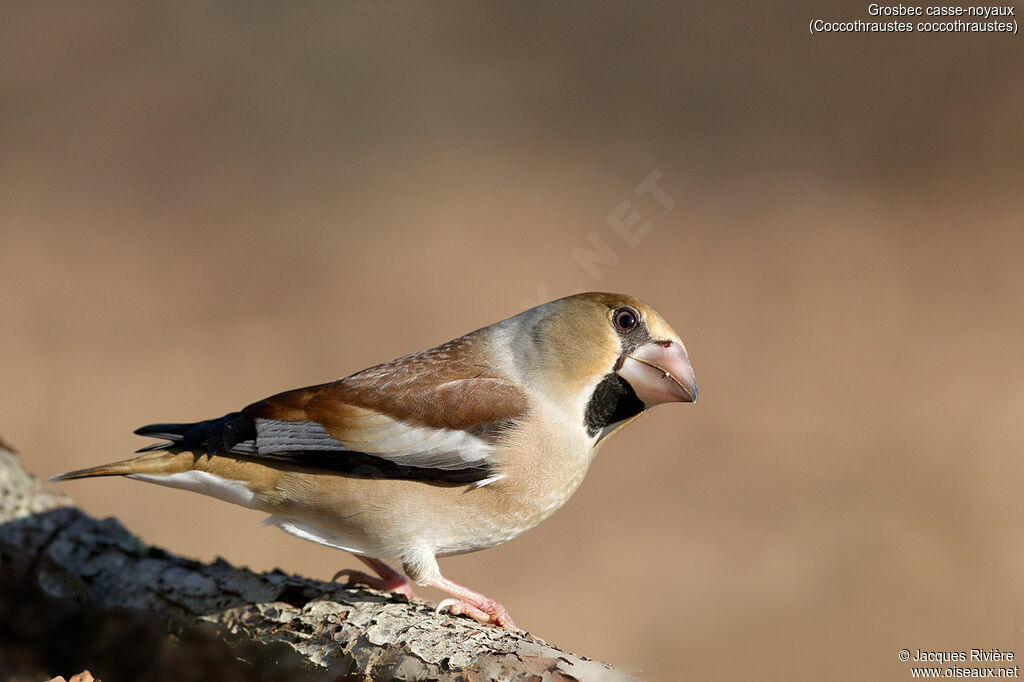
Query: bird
[446, 451]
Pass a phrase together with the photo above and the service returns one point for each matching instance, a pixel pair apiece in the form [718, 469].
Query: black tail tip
[168, 431]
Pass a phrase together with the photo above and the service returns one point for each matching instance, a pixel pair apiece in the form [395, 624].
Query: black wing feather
[225, 435]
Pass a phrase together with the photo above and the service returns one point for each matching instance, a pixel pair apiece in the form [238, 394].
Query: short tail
[231, 433]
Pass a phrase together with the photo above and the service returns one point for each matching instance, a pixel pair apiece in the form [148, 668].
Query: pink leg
[390, 580]
[473, 604]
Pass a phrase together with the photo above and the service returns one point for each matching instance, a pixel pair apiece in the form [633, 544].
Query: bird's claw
[491, 613]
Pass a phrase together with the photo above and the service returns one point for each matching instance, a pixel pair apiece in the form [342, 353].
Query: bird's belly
[387, 518]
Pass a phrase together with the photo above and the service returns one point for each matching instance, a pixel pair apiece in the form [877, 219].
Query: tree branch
[52, 551]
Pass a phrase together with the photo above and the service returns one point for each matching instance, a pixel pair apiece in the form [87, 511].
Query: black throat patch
[613, 400]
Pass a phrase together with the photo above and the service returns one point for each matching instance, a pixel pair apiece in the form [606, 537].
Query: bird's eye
[625, 319]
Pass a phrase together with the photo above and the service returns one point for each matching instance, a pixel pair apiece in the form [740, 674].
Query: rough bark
[298, 627]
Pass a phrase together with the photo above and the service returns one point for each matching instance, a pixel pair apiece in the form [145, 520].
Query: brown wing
[434, 415]
[451, 386]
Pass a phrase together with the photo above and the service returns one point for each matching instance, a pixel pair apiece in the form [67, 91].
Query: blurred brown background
[203, 203]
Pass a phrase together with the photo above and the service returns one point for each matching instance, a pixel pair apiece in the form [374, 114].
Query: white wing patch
[378, 435]
[488, 481]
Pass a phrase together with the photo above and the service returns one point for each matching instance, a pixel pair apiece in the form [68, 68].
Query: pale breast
[541, 469]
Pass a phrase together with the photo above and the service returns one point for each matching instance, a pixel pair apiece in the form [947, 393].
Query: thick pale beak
[660, 373]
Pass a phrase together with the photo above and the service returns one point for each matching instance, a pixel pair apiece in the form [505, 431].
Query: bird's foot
[491, 613]
[472, 604]
[390, 580]
[399, 586]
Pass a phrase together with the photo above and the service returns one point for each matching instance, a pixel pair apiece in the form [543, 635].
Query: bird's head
[610, 355]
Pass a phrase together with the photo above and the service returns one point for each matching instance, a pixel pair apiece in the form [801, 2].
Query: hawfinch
[442, 452]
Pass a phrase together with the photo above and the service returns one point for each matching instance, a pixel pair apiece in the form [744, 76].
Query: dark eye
[625, 319]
